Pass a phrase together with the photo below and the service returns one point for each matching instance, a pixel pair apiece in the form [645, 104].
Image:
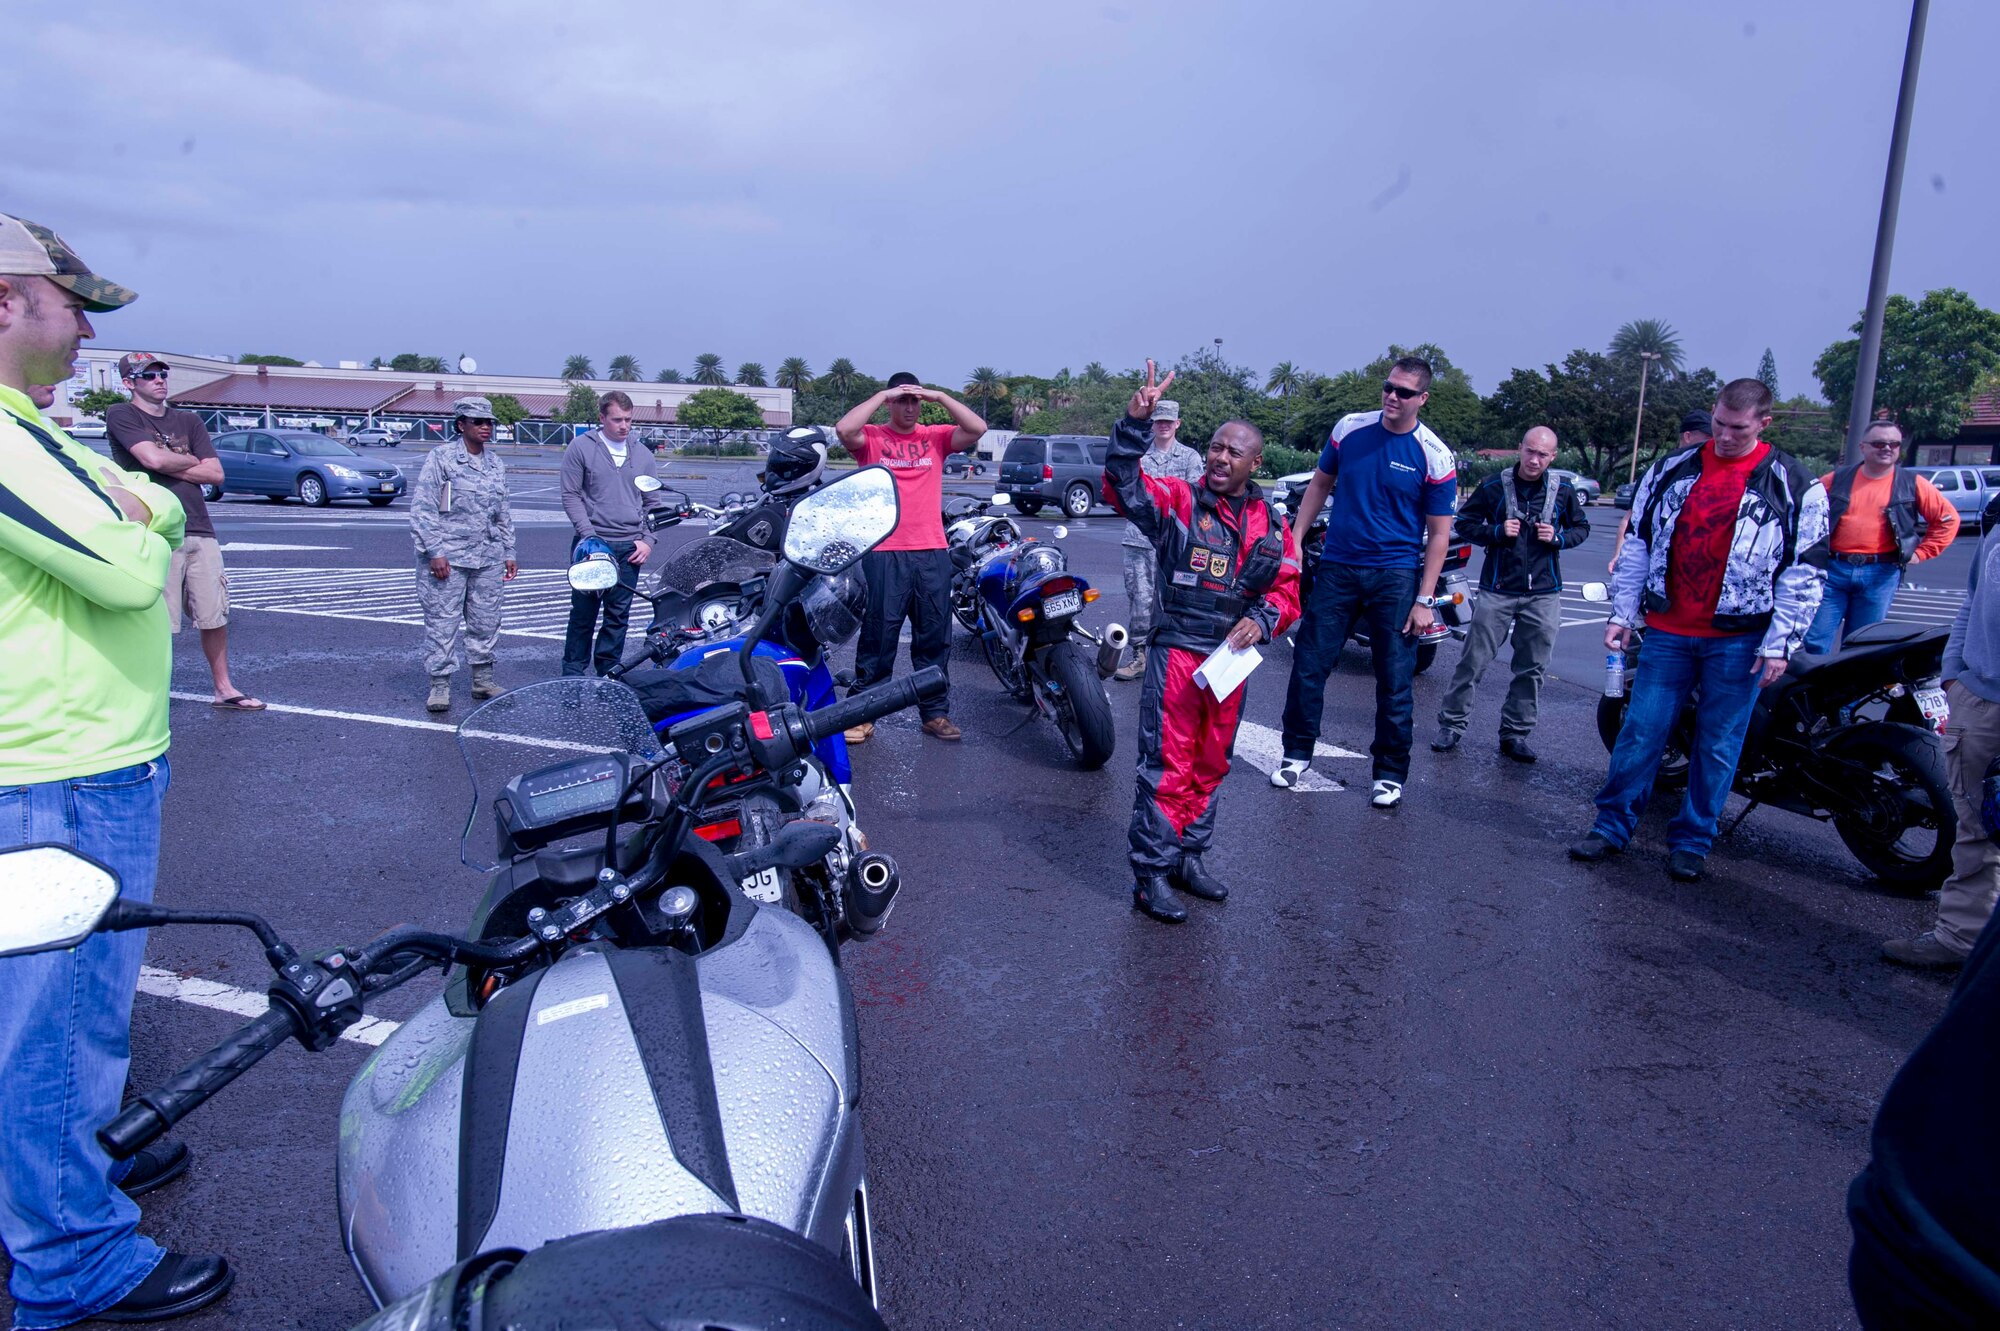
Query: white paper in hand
[1225, 670]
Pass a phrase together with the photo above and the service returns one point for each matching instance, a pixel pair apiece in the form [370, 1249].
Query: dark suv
[1065, 469]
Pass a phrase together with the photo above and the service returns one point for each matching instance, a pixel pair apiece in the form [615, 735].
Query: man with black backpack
[1883, 518]
[1525, 518]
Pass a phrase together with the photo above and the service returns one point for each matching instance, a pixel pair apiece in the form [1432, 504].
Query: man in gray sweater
[1971, 742]
[601, 496]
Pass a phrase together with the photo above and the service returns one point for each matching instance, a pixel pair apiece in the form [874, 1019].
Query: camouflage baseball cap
[132, 362]
[1166, 409]
[472, 409]
[29, 249]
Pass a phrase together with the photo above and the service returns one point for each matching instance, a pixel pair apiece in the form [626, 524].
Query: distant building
[231, 396]
[1977, 442]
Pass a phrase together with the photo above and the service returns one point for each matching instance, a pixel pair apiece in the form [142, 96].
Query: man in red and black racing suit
[1228, 570]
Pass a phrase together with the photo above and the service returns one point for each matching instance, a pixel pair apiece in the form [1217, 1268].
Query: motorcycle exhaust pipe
[1111, 651]
[871, 891]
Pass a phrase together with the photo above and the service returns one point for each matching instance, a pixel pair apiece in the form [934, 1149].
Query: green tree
[409, 362]
[1807, 430]
[579, 407]
[625, 370]
[253, 358]
[376, 364]
[750, 374]
[668, 376]
[1284, 382]
[1935, 354]
[840, 376]
[1648, 335]
[795, 374]
[1767, 372]
[717, 412]
[988, 385]
[98, 401]
[507, 409]
[1095, 373]
[1588, 401]
[578, 367]
[708, 370]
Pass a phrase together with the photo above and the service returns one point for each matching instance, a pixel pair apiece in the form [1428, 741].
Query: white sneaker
[1289, 773]
[1387, 794]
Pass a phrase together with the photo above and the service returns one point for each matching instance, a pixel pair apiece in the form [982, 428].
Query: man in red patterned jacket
[1228, 572]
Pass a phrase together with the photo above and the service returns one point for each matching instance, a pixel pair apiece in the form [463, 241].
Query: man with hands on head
[909, 574]
[1725, 562]
[1227, 572]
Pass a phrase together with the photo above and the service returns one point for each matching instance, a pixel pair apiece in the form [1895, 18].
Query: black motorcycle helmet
[828, 614]
[796, 461]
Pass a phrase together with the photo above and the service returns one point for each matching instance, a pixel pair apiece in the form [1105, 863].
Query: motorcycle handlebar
[875, 703]
[142, 1122]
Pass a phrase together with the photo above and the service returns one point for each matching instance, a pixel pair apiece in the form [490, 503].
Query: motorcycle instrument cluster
[544, 806]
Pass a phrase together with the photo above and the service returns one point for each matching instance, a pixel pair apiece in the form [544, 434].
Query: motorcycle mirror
[1002, 500]
[51, 898]
[648, 484]
[833, 527]
[1060, 531]
[1596, 591]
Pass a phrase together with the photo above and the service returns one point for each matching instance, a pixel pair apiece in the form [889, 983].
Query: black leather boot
[1195, 879]
[180, 1284]
[1152, 895]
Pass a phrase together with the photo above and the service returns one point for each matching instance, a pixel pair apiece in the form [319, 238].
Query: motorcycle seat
[1873, 642]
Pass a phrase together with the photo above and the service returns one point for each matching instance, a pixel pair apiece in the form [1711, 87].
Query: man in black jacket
[1525, 518]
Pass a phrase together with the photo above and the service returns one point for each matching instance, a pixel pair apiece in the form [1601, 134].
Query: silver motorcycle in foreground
[626, 1041]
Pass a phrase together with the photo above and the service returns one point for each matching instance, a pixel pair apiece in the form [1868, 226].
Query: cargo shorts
[197, 586]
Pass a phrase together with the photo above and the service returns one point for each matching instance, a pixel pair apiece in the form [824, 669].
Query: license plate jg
[763, 886]
[1931, 702]
[1062, 603]
[388, 485]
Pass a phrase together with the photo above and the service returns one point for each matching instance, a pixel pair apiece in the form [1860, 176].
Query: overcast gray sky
[1027, 185]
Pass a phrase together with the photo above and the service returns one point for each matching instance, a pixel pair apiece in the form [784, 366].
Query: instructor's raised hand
[1141, 406]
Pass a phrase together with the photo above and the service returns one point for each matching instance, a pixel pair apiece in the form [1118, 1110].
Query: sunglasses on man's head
[150, 374]
[1404, 393]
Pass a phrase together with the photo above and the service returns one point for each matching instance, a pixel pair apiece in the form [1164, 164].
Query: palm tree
[625, 369]
[987, 385]
[1094, 373]
[1649, 337]
[795, 374]
[708, 369]
[668, 376]
[578, 367]
[1285, 379]
[750, 374]
[1062, 390]
[840, 376]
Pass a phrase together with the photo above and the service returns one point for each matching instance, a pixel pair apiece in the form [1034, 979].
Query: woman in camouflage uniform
[465, 551]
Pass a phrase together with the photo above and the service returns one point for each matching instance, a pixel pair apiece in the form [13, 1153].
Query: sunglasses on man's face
[150, 374]
[1404, 393]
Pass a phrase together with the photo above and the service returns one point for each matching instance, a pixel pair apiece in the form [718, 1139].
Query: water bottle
[1614, 674]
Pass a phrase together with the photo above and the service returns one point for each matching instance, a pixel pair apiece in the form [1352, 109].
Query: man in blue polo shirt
[1386, 538]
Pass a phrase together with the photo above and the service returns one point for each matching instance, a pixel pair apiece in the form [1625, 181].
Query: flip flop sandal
[242, 702]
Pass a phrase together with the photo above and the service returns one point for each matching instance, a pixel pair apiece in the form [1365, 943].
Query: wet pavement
[1420, 1070]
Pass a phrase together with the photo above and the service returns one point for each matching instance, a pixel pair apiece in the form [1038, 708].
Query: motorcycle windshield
[712, 559]
[538, 726]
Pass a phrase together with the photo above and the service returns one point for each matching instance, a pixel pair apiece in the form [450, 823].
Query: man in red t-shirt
[1726, 561]
[909, 575]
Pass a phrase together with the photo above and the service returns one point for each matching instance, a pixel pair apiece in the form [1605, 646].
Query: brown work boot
[1131, 670]
[860, 734]
[940, 727]
[440, 699]
[482, 682]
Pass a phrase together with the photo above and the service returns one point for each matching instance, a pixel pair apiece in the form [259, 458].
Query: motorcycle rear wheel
[1082, 711]
[1902, 831]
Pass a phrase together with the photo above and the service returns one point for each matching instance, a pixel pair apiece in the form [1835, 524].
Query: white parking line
[227, 998]
[1264, 749]
[404, 723]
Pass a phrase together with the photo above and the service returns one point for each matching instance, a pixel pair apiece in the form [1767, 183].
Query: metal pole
[1863, 407]
[1646, 359]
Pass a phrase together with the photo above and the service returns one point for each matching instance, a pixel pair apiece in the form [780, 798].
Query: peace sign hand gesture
[1141, 406]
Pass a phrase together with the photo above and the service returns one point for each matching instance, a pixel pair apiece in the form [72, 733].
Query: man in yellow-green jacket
[84, 549]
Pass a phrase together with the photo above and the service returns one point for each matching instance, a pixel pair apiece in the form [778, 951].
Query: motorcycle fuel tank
[613, 1088]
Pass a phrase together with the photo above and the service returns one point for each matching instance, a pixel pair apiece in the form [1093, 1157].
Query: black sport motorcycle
[1850, 738]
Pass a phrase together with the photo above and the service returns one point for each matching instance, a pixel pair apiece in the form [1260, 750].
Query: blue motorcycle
[1018, 597]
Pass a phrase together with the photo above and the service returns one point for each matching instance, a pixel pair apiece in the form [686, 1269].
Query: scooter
[1017, 595]
[1851, 738]
[625, 1036]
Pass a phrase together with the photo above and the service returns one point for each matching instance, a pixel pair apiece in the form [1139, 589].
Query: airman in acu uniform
[465, 551]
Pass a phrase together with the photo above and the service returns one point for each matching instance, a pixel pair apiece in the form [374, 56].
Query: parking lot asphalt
[1420, 1070]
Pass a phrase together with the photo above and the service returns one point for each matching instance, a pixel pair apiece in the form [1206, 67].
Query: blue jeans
[65, 1040]
[1380, 598]
[1859, 594]
[1671, 667]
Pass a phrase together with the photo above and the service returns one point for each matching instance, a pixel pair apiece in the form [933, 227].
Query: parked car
[964, 464]
[281, 463]
[1622, 496]
[1065, 469]
[87, 427]
[1969, 489]
[1587, 490]
[381, 436]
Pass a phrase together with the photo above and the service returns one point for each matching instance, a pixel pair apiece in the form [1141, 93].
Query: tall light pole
[1863, 406]
[1646, 359]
